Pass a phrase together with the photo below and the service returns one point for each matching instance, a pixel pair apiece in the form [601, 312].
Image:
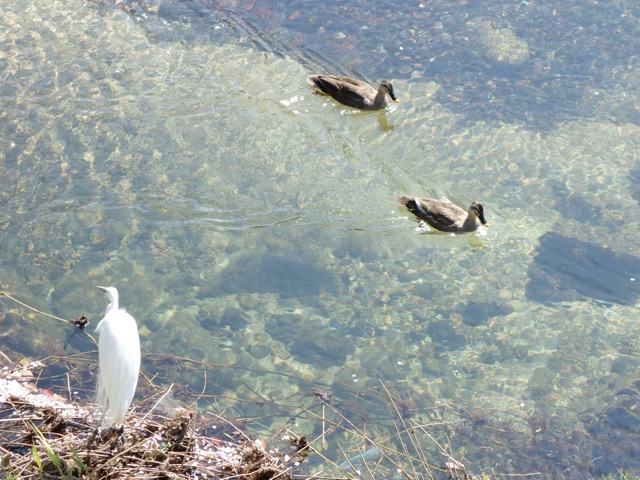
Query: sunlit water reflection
[250, 223]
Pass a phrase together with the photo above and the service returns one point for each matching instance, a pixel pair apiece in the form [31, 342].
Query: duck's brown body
[353, 92]
[445, 216]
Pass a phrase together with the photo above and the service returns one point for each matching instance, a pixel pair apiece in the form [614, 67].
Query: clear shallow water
[249, 223]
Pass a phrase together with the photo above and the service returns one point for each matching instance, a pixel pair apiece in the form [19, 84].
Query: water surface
[176, 152]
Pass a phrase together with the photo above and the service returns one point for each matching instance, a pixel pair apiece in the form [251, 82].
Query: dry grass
[42, 436]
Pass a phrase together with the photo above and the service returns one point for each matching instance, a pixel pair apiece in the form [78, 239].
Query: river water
[175, 151]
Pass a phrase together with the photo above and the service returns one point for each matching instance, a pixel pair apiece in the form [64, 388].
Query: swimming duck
[353, 92]
[445, 216]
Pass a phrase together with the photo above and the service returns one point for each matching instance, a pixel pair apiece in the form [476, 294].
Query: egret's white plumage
[119, 352]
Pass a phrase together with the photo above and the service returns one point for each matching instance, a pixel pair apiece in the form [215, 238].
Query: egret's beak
[104, 289]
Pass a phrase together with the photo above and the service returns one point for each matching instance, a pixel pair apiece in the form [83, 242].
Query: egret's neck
[112, 293]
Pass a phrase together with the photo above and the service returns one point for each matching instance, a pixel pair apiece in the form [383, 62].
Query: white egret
[119, 352]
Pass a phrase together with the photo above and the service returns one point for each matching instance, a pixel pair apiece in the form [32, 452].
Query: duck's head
[477, 209]
[387, 87]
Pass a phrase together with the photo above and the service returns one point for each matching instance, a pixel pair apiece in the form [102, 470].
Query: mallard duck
[445, 216]
[353, 92]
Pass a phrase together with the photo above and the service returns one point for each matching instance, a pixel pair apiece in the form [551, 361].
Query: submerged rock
[271, 273]
[310, 342]
[442, 332]
[568, 269]
[232, 318]
[326, 348]
[475, 313]
[621, 417]
[498, 44]
[573, 205]
[634, 176]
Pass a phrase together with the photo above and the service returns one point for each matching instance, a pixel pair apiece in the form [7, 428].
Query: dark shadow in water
[580, 48]
[443, 333]
[635, 184]
[568, 269]
[576, 52]
[475, 314]
[574, 205]
[271, 273]
[232, 318]
[614, 432]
